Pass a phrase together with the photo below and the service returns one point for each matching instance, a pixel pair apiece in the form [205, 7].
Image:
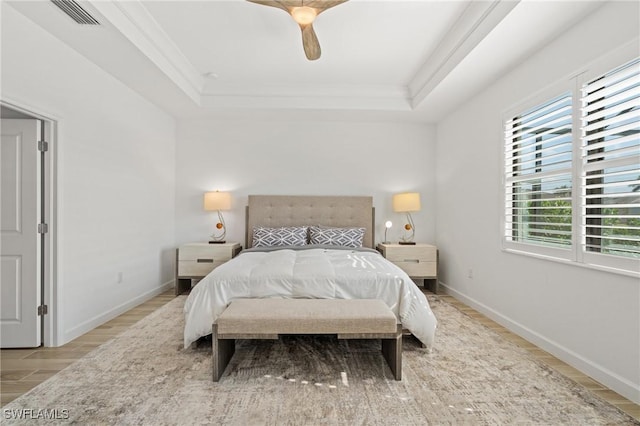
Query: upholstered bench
[270, 318]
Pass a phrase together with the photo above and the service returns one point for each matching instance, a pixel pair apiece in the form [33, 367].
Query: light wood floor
[23, 369]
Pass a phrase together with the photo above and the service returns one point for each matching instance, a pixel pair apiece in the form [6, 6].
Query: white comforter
[310, 273]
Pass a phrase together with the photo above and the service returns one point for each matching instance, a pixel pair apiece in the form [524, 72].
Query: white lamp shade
[217, 200]
[406, 202]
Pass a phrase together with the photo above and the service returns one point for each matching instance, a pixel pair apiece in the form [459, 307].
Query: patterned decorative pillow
[286, 236]
[346, 237]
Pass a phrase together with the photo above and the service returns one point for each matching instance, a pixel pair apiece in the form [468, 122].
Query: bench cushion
[306, 316]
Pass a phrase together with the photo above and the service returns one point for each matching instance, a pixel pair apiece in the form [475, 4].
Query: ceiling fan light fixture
[304, 15]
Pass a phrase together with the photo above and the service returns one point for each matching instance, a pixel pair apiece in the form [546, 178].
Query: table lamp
[407, 202]
[218, 201]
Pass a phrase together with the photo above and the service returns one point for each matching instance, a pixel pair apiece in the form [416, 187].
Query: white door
[20, 242]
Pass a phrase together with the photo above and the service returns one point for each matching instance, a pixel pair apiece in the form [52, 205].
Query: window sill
[603, 268]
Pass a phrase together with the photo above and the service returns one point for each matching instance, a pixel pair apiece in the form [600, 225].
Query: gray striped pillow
[285, 236]
[346, 237]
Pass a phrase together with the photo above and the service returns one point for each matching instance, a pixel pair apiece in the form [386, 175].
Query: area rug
[472, 376]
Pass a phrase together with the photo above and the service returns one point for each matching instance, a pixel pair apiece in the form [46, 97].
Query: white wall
[589, 318]
[249, 157]
[115, 176]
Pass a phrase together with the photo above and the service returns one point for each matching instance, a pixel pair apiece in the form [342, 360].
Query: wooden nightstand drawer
[418, 269]
[201, 252]
[191, 268]
[415, 254]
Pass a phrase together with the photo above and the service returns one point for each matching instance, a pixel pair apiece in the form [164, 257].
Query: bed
[328, 265]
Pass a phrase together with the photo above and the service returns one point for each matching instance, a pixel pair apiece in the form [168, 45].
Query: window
[610, 162]
[572, 173]
[538, 174]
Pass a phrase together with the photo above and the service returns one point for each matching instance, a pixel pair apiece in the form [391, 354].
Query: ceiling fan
[304, 12]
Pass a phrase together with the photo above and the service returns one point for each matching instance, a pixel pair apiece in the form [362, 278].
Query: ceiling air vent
[76, 12]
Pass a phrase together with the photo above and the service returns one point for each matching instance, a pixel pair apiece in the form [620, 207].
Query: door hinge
[43, 228]
[43, 146]
[43, 310]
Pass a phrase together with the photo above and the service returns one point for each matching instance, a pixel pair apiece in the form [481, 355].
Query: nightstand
[195, 260]
[419, 261]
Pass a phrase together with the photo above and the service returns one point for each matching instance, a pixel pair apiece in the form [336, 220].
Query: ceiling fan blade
[322, 5]
[273, 3]
[310, 42]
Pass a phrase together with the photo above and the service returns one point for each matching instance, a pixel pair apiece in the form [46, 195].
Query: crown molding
[326, 97]
[137, 25]
[476, 21]
[371, 102]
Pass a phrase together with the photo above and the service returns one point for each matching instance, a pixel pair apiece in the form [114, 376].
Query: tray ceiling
[410, 60]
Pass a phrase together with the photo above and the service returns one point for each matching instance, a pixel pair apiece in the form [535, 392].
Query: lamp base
[407, 243]
[217, 242]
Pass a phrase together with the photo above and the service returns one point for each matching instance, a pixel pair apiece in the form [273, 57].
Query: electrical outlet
[120, 277]
[470, 273]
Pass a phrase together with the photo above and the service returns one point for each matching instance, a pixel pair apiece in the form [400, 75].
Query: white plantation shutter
[538, 174]
[611, 163]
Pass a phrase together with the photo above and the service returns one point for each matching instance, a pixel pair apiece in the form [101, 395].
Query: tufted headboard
[298, 210]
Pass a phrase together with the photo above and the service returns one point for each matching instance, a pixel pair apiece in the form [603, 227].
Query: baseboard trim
[98, 320]
[603, 375]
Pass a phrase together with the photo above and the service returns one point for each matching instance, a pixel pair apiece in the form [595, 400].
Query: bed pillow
[346, 237]
[285, 236]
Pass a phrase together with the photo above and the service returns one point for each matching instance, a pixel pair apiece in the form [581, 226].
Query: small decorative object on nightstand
[419, 261]
[387, 226]
[406, 203]
[195, 260]
[217, 201]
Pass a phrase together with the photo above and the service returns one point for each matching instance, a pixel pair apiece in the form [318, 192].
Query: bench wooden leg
[392, 352]
[223, 350]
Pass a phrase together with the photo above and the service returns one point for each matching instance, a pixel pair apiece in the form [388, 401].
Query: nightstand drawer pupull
[204, 260]
[412, 260]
